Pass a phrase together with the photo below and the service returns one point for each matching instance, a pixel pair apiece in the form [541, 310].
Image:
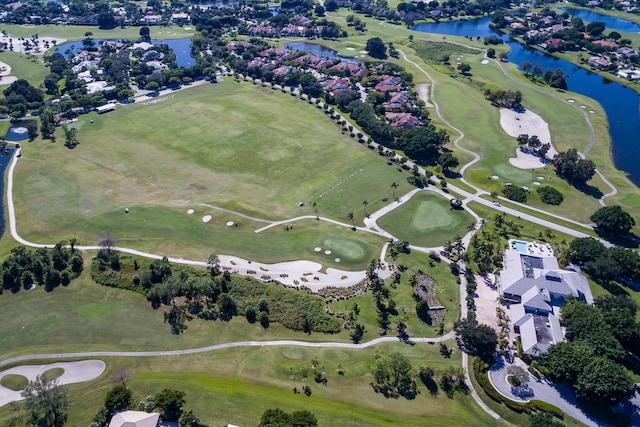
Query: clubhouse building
[535, 288]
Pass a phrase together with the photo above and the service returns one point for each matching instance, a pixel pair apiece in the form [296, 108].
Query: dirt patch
[425, 290]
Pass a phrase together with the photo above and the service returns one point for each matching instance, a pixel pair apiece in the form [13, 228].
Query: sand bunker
[515, 123]
[317, 249]
[337, 260]
[485, 61]
[230, 223]
[349, 48]
[190, 211]
[327, 252]
[206, 218]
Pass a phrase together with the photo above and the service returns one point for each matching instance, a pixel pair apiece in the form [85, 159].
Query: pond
[319, 50]
[621, 104]
[5, 158]
[181, 48]
[611, 22]
[18, 132]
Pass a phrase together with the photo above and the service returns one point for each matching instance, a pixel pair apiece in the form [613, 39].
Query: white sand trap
[485, 61]
[515, 123]
[349, 48]
[583, 106]
[494, 177]
[571, 100]
[525, 160]
[423, 93]
[206, 218]
[7, 80]
[74, 372]
[364, 52]
[317, 249]
[190, 212]
[337, 260]
[327, 252]
[536, 183]
[230, 223]
[540, 178]
[591, 112]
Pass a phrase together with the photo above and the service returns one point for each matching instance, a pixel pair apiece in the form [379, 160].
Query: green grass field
[237, 146]
[426, 220]
[31, 69]
[77, 32]
[237, 385]
[14, 382]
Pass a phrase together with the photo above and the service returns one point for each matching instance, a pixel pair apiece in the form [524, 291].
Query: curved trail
[271, 343]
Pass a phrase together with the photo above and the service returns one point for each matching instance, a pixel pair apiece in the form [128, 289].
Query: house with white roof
[135, 419]
[535, 288]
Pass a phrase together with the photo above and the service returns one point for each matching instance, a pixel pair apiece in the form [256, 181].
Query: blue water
[5, 158]
[621, 104]
[181, 47]
[318, 50]
[611, 22]
[521, 246]
[14, 136]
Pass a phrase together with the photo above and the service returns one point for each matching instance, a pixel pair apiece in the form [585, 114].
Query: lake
[611, 22]
[621, 104]
[319, 50]
[181, 47]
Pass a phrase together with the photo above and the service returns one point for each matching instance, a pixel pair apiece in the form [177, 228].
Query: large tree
[376, 48]
[46, 403]
[574, 169]
[480, 340]
[613, 219]
[118, 398]
[605, 380]
[170, 402]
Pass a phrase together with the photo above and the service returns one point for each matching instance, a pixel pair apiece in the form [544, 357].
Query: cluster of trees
[484, 252]
[450, 380]
[393, 375]
[533, 144]
[591, 360]
[276, 417]
[212, 294]
[573, 168]
[613, 219]
[168, 402]
[50, 267]
[555, 79]
[515, 193]
[604, 264]
[479, 340]
[19, 98]
[549, 195]
[504, 98]
[385, 305]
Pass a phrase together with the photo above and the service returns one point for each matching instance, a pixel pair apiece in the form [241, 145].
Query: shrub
[550, 195]
[539, 405]
[515, 193]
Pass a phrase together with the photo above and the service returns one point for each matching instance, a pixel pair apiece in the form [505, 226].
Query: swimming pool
[520, 246]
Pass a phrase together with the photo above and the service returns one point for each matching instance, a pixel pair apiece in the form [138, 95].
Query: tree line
[49, 267]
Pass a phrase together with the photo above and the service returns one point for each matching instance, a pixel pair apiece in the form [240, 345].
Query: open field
[239, 146]
[237, 385]
[23, 67]
[77, 32]
[426, 220]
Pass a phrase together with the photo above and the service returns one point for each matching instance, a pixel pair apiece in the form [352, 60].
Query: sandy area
[423, 93]
[74, 372]
[515, 123]
[38, 49]
[5, 71]
[294, 271]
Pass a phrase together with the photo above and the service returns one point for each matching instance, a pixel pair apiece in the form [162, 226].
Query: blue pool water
[521, 247]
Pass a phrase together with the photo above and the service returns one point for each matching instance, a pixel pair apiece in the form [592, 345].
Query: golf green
[426, 220]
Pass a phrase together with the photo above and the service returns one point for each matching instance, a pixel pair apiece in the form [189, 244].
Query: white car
[497, 204]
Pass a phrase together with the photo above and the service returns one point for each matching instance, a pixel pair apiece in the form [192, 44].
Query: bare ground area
[425, 289]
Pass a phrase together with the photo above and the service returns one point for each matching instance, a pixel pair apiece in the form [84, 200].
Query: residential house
[135, 419]
[402, 120]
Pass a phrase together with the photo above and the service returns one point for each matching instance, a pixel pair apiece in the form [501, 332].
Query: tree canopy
[46, 403]
[572, 168]
[376, 48]
[170, 402]
[613, 219]
[480, 340]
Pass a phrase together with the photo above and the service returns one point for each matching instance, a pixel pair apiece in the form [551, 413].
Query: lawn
[237, 385]
[31, 69]
[426, 220]
[77, 32]
[234, 145]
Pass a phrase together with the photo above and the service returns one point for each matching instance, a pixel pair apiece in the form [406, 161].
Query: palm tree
[394, 186]
[315, 209]
[471, 227]
[364, 207]
[350, 216]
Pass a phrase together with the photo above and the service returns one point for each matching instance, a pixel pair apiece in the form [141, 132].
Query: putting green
[632, 200]
[426, 220]
[349, 249]
[508, 173]
[429, 215]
